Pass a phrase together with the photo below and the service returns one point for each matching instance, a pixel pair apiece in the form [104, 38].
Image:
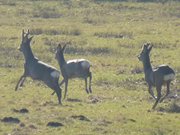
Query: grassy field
[110, 35]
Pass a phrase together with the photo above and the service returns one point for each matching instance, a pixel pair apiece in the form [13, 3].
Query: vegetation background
[109, 33]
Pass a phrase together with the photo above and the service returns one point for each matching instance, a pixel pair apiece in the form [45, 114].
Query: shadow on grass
[81, 117]
[73, 100]
[174, 107]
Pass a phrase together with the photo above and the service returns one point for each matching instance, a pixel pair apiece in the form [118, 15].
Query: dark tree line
[161, 1]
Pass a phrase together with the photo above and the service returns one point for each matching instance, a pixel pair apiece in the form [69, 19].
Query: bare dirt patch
[23, 110]
[54, 124]
[10, 120]
[80, 117]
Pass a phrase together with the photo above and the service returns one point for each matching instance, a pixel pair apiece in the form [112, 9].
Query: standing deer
[37, 69]
[77, 68]
[163, 74]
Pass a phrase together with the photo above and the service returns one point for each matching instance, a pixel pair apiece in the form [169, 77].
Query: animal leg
[158, 88]
[167, 92]
[90, 78]
[66, 86]
[58, 92]
[86, 85]
[54, 85]
[20, 82]
[151, 92]
[59, 85]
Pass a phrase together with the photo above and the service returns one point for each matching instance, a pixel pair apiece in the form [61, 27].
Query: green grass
[110, 35]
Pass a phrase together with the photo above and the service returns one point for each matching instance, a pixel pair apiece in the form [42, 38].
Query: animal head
[60, 51]
[25, 40]
[146, 49]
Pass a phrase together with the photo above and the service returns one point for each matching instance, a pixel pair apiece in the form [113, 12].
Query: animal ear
[146, 45]
[28, 32]
[150, 47]
[64, 47]
[30, 38]
[22, 34]
[59, 46]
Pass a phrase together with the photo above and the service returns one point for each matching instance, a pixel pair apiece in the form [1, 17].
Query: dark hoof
[87, 91]
[90, 90]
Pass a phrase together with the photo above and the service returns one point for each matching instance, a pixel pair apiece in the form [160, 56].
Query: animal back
[84, 63]
[167, 72]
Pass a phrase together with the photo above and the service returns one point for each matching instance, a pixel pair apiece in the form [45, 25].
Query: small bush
[8, 2]
[46, 12]
[74, 32]
[37, 31]
[112, 35]
[92, 51]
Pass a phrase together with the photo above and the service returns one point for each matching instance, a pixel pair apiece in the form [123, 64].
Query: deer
[36, 69]
[76, 68]
[155, 77]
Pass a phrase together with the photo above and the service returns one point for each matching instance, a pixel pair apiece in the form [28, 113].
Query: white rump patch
[85, 64]
[169, 77]
[75, 61]
[55, 74]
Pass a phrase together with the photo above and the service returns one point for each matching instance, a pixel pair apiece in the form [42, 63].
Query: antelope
[162, 75]
[37, 69]
[76, 68]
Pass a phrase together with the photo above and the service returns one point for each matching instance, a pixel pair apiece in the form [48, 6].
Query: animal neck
[61, 61]
[28, 54]
[147, 65]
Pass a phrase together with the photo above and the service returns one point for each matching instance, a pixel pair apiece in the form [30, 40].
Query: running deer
[157, 77]
[77, 68]
[37, 69]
